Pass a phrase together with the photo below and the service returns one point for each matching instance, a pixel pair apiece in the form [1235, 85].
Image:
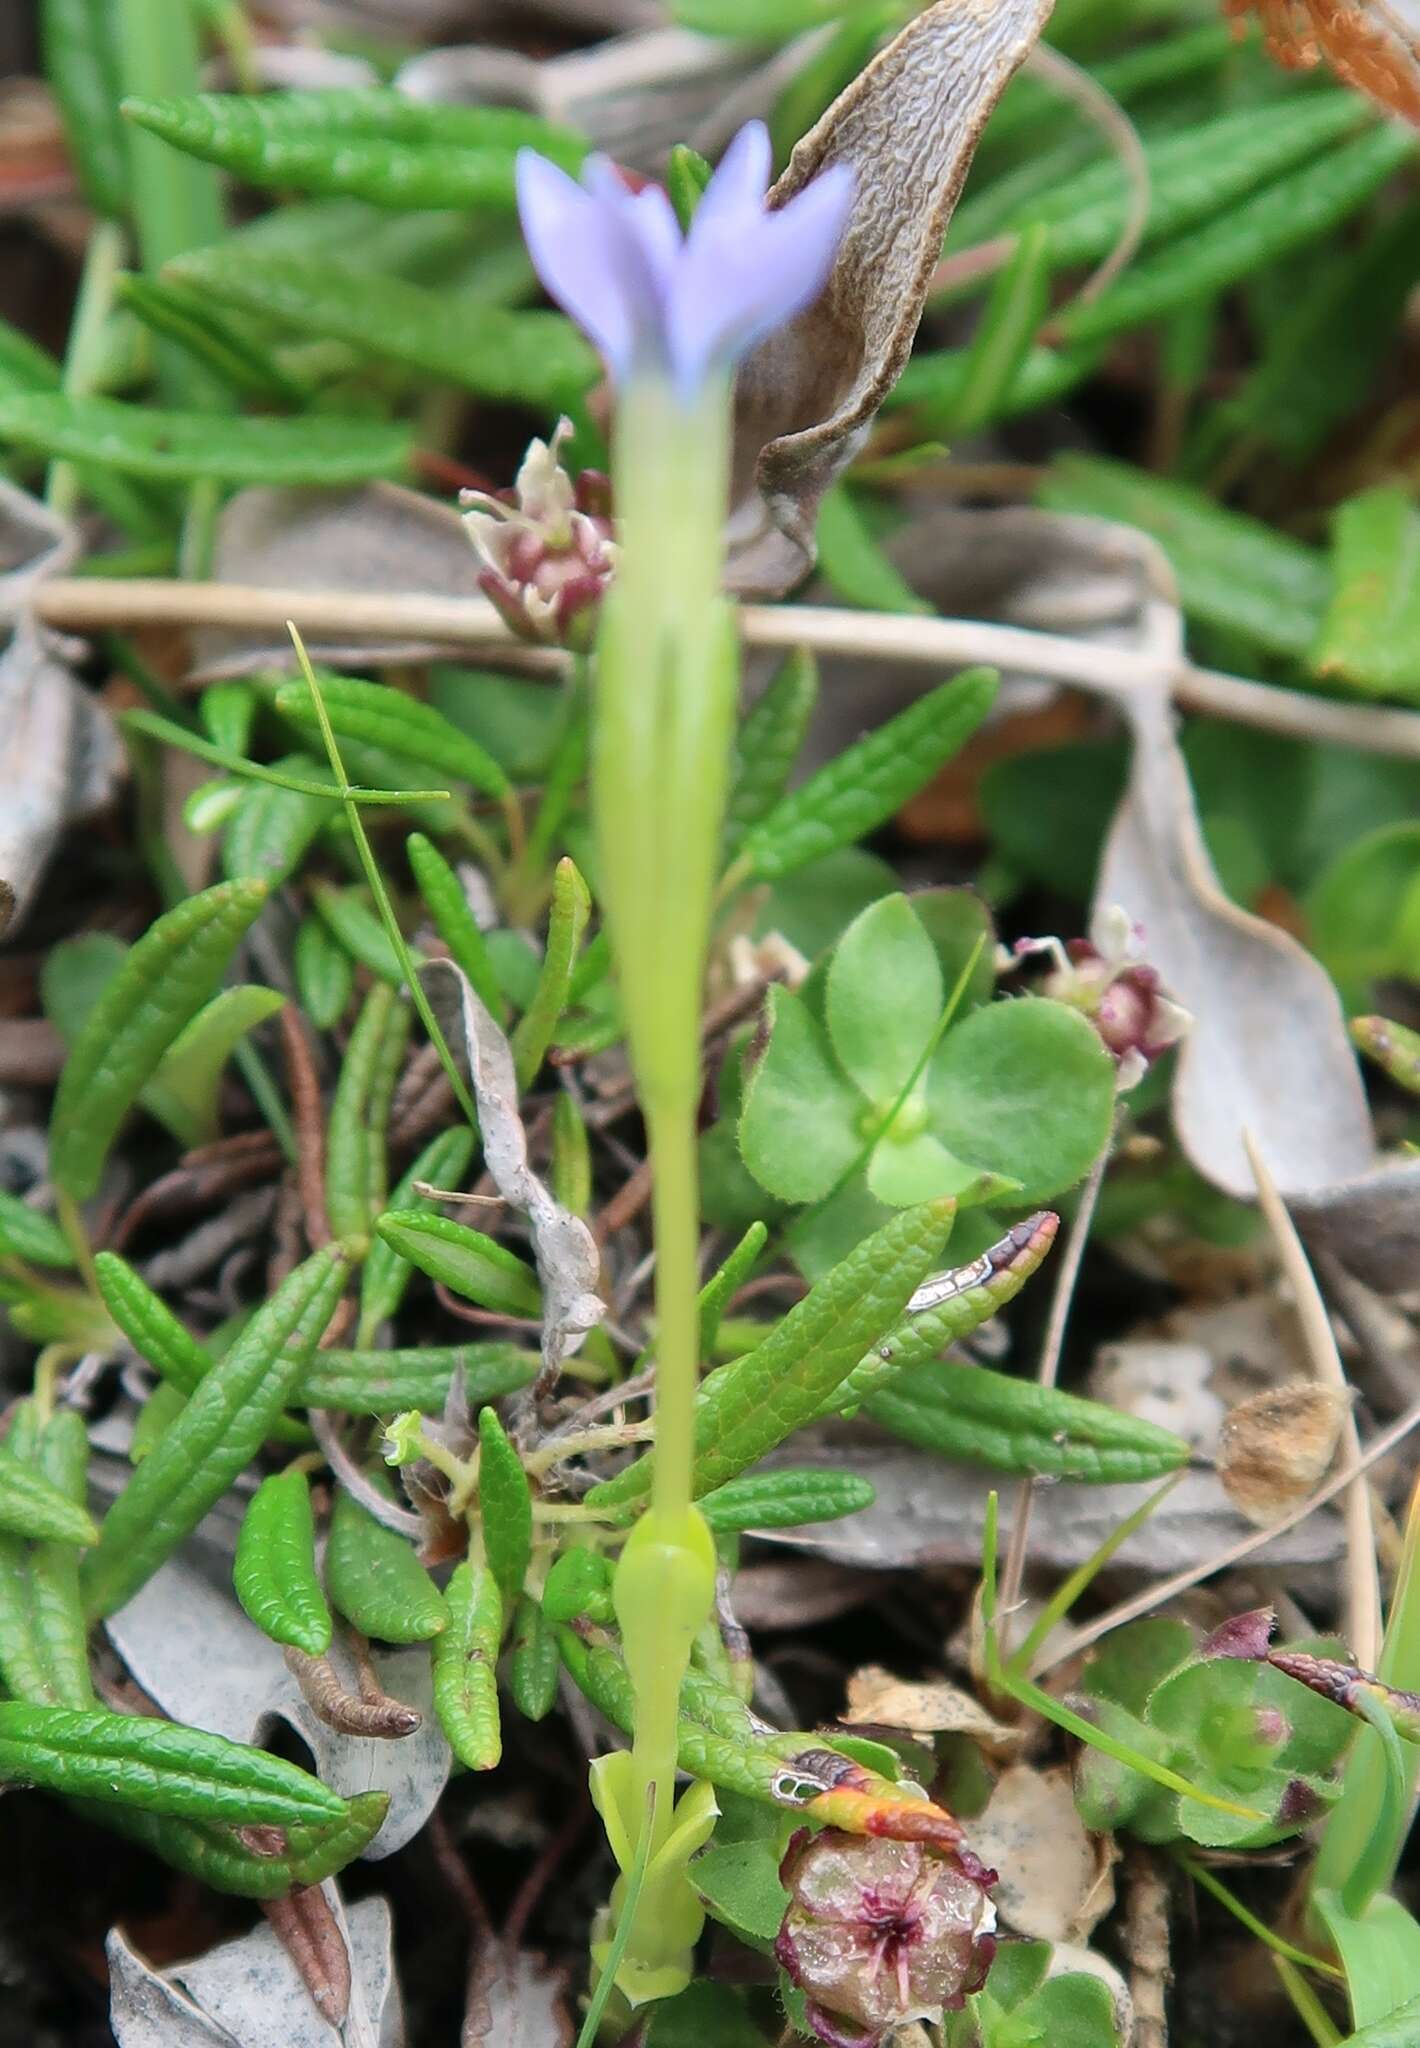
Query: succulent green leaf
[186, 447]
[784, 1499]
[465, 1666]
[504, 1507]
[464, 1260]
[275, 1568]
[183, 1092]
[376, 1581]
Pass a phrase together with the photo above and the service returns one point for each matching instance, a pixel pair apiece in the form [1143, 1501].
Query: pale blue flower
[654, 299]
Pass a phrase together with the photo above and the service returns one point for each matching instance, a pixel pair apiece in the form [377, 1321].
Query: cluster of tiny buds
[546, 547]
[1107, 979]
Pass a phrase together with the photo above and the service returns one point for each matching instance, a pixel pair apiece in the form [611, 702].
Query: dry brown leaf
[1056, 1881]
[876, 1698]
[1372, 44]
[908, 125]
[1275, 1448]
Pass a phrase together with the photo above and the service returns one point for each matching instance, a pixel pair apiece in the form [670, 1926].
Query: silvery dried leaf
[59, 755]
[929, 1511]
[249, 1993]
[634, 97]
[190, 1647]
[908, 125]
[568, 1264]
[517, 2001]
[375, 537]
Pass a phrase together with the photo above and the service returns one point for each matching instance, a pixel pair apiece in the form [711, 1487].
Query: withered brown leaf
[1372, 44]
[909, 126]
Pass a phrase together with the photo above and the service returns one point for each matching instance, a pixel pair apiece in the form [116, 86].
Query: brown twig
[308, 1117]
[625, 1205]
[76, 603]
[199, 1180]
[553, 1854]
[370, 1712]
[1146, 1944]
[309, 1932]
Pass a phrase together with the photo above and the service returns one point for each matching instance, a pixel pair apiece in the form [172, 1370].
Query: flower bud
[879, 1932]
[1107, 979]
[546, 549]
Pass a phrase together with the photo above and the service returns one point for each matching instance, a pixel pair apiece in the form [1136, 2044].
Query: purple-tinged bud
[546, 548]
[1349, 1687]
[880, 1932]
[1271, 1727]
[1242, 1635]
[1107, 979]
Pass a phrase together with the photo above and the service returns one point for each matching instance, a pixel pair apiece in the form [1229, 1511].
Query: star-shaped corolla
[687, 306]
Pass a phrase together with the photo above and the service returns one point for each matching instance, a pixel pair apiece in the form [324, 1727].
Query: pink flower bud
[547, 550]
[879, 1932]
[1107, 979]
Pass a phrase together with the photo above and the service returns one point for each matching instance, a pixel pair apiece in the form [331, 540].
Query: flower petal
[746, 273]
[577, 248]
[736, 192]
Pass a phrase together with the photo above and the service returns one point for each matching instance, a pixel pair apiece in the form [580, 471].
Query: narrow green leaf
[1200, 172]
[504, 1507]
[1370, 636]
[27, 1233]
[721, 1288]
[1013, 1425]
[567, 921]
[374, 144]
[783, 1499]
[854, 562]
[272, 829]
[376, 1581]
[1012, 318]
[324, 971]
[391, 718]
[182, 315]
[224, 1424]
[381, 1382]
[183, 1092]
[867, 782]
[150, 1325]
[443, 1163]
[1284, 216]
[538, 358]
[465, 1662]
[355, 1136]
[744, 1410]
[464, 1260]
[31, 1505]
[767, 745]
[164, 981]
[352, 922]
[81, 66]
[44, 1650]
[186, 447]
[216, 1856]
[134, 1760]
[534, 1665]
[447, 904]
[1233, 572]
[274, 1571]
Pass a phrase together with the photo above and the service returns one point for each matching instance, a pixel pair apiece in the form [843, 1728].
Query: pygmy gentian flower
[1107, 978]
[547, 550]
[881, 1932]
[687, 305]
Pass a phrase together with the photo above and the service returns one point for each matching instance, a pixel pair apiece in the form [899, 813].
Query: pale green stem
[85, 352]
[660, 742]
